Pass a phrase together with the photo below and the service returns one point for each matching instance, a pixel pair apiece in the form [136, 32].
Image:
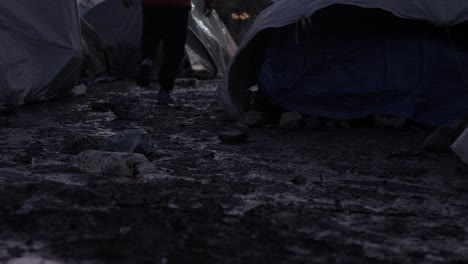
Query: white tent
[40, 50]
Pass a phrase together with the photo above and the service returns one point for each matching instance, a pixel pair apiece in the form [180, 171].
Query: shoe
[145, 75]
[164, 97]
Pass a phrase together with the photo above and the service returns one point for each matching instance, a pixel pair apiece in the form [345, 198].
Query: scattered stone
[79, 90]
[131, 141]
[79, 144]
[439, 141]
[313, 123]
[111, 163]
[291, 120]
[253, 119]
[383, 121]
[101, 106]
[460, 146]
[132, 108]
[237, 133]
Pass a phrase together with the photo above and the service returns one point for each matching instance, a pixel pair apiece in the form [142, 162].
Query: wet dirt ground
[360, 195]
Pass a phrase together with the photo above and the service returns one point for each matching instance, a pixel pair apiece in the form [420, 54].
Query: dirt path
[334, 196]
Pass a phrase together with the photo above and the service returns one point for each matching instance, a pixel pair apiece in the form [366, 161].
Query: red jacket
[181, 3]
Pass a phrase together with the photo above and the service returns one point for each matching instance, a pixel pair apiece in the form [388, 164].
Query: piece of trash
[79, 90]
[460, 146]
[131, 141]
[116, 164]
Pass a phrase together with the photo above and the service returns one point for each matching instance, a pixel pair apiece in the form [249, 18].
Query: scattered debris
[111, 163]
[383, 121]
[313, 123]
[237, 133]
[132, 108]
[79, 144]
[460, 146]
[79, 90]
[253, 119]
[439, 141]
[131, 141]
[291, 120]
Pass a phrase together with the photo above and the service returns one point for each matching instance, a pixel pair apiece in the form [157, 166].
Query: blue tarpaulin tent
[351, 59]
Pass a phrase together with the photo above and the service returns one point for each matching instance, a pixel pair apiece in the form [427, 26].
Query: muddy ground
[360, 195]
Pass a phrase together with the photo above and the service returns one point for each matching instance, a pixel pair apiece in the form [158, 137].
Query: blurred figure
[165, 20]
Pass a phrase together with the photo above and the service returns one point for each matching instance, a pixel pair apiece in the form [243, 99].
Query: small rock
[132, 108]
[101, 106]
[313, 123]
[131, 141]
[79, 90]
[237, 134]
[383, 121]
[291, 120]
[439, 141]
[253, 119]
[79, 144]
[111, 163]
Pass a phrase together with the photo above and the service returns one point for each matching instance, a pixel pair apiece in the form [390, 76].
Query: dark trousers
[167, 24]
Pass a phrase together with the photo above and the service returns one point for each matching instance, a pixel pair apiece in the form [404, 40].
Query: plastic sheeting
[40, 50]
[85, 5]
[209, 45]
[264, 44]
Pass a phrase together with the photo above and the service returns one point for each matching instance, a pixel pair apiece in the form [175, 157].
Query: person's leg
[151, 36]
[175, 36]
